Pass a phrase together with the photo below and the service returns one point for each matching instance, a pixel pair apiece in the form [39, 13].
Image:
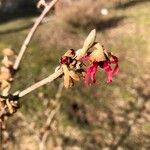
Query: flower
[72, 62]
[106, 66]
[103, 59]
[91, 72]
[68, 64]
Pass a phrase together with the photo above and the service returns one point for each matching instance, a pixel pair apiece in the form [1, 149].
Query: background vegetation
[104, 116]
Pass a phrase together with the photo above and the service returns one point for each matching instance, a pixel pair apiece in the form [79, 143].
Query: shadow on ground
[18, 29]
[99, 24]
[109, 23]
[129, 3]
[6, 17]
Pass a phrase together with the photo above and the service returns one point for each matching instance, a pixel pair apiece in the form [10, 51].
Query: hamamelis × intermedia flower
[72, 62]
[103, 59]
[69, 65]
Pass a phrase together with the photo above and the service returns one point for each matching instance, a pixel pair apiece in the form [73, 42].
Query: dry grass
[70, 25]
[58, 36]
[83, 14]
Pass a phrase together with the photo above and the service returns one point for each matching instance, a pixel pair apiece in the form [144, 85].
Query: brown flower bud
[8, 52]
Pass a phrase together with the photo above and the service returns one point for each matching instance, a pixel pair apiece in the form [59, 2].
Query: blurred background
[112, 116]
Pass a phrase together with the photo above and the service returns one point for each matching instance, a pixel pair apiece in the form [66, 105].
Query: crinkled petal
[91, 72]
[116, 69]
[108, 70]
[66, 75]
[115, 59]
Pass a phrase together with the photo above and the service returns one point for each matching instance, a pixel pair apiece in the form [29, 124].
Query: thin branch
[51, 116]
[49, 79]
[48, 122]
[57, 97]
[31, 33]
[58, 72]
[88, 42]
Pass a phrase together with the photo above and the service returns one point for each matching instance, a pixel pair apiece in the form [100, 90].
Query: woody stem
[35, 86]
[31, 33]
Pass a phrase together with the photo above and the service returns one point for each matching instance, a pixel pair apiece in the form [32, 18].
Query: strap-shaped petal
[74, 76]
[66, 76]
[98, 53]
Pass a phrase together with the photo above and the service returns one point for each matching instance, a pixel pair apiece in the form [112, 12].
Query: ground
[103, 116]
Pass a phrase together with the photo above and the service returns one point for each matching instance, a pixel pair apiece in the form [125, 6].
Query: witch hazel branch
[47, 8]
[75, 65]
[9, 102]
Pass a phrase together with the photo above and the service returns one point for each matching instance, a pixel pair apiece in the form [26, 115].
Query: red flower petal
[116, 69]
[115, 59]
[91, 72]
[64, 60]
[106, 65]
[108, 70]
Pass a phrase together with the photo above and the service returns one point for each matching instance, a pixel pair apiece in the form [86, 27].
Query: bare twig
[42, 140]
[33, 87]
[25, 45]
[49, 79]
[58, 72]
[57, 97]
[31, 33]
[51, 117]
[88, 42]
[48, 124]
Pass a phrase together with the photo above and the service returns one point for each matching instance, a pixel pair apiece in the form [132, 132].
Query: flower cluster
[91, 57]
[72, 68]
[100, 57]
[6, 77]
